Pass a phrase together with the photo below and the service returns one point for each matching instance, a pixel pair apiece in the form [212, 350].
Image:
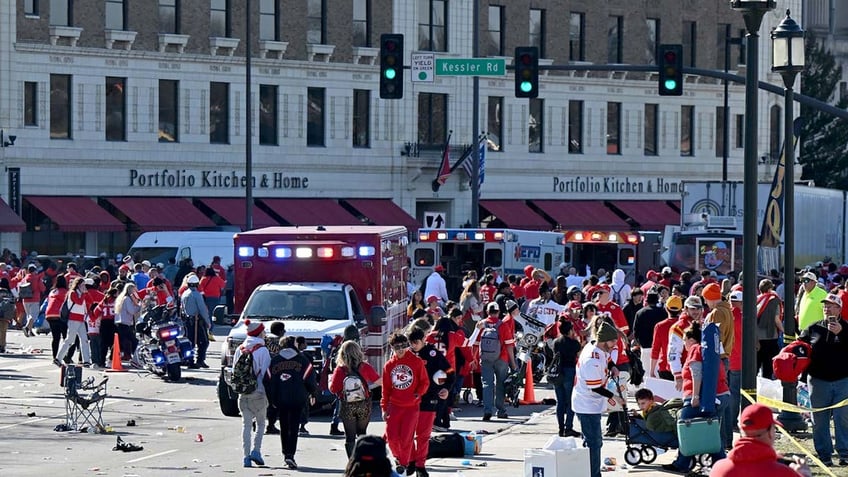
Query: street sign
[422, 65]
[435, 220]
[470, 67]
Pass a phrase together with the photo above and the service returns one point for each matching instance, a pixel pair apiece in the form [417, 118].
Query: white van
[200, 246]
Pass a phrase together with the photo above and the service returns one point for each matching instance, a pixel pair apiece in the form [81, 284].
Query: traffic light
[671, 70]
[391, 66]
[526, 72]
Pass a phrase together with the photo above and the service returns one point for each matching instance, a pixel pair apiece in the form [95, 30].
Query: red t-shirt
[211, 286]
[736, 353]
[454, 341]
[659, 347]
[517, 291]
[487, 293]
[366, 372]
[531, 290]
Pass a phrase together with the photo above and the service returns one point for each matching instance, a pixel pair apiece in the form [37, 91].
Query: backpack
[25, 290]
[554, 372]
[792, 361]
[490, 343]
[8, 309]
[244, 379]
[353, 387]
[637, 370]
[65, 310]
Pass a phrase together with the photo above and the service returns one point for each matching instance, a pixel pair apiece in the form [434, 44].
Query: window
[689, 39]
[433, 25]
[30, 103]
[219, 113]
[315, 117]
[219, 18]
[653, 40]
[116, 109]
[720, 131]
[577, 37]
[169, 16]
[60, 12]
[169, 103]
[575, 127]
[537, 30]
[268, 20]
[495, 36]
[722, 35]
[31, 7]
[60, 106]
[361, 22]
[614, 30]
[740, 131]
[116, 15]
[494, 122]
[361, 117]
[316, 26]
[267, 115]
[432, 119]
[687, 129]
[613, 128]
[775, 144]
[536, 125]
[651, 118]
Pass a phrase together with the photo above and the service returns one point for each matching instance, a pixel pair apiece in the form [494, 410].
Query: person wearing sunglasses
[809, 304]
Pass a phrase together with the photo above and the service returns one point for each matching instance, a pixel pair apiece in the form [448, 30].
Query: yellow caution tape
[789, 407]
[810, 457]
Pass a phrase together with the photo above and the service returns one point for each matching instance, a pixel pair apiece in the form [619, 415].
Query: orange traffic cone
[117, 366]
[529, 392]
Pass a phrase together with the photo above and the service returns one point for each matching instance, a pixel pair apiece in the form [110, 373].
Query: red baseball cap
[756, 417]
[602, 287]
[439, 268]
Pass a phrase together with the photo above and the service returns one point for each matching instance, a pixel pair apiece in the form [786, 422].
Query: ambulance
[594, 249]
[318, 281]
[507, 251]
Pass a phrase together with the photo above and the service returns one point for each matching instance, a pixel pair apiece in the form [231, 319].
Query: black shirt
[569, 351]
[828, 349]
[645, 322]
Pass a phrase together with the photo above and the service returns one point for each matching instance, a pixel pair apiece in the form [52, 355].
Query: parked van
[200, 246]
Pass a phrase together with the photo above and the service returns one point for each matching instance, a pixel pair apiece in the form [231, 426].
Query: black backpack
[554, 372]
[637, 371]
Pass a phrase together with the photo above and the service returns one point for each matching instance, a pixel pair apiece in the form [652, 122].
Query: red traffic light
[670, 56]
[390, 45]
[525, 59]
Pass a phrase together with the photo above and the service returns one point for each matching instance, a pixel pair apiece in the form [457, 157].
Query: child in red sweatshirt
[405, 381]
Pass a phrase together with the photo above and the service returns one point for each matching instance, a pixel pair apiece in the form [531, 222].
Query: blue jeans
[823, 394]
[565, 416]
[735, 383]
[590, 426]
[494, 375]
[683, 462]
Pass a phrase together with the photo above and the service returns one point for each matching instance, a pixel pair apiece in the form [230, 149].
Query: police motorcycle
[529, 351]
[162, 345]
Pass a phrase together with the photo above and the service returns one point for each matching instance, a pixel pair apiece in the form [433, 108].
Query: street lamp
[787, 41]
[752, 12]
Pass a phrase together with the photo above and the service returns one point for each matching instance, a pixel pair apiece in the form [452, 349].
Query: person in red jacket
[355, 411]
[660, 367]
[79, 303]
[405, 381]
[33, 282]
[754, 454]
[104, 310]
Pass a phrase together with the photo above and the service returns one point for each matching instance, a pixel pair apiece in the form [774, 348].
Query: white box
[540, 463]
[551, 463]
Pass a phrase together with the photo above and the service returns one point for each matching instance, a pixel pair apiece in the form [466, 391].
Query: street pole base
[792, 421]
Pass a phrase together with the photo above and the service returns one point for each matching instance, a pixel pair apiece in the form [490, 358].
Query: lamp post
[787, 41]
[248, 125]
[752, 12]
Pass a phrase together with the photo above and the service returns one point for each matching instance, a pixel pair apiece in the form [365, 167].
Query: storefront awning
[233, 211]
[515, 214]
[649, 214]
[581, 214]
[75, 214]
[311, 211]
[9, 220]
[384, 212]
[161, 213]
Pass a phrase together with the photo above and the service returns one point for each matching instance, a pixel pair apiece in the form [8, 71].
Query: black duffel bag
[446, 445]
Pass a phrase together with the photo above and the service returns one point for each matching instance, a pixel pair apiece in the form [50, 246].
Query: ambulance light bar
[320, 250]
[466, 235]
[593, 236]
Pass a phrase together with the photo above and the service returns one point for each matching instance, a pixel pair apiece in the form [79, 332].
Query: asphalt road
[32, 404]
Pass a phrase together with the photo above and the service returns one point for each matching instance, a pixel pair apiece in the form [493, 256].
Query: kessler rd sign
[470, 67]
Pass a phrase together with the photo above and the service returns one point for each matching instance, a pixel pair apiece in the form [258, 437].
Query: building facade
[131, 116]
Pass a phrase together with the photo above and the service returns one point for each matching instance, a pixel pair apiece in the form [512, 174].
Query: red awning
[76, 214]
[649, 214]
[581, 214]
[9, 220]
[233, 211]
[311, 211]
[384, 212]
[161, 213]
[515, 214]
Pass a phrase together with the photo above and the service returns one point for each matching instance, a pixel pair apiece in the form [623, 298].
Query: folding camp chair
[83, 400]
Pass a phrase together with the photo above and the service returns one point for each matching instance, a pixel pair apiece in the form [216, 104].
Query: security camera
[12, 138]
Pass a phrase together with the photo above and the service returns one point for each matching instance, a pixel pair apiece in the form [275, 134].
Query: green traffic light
[670, 84]
[526, 87]
[390, 73]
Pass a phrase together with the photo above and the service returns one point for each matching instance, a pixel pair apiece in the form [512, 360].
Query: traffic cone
[529, 392]
[117, 366]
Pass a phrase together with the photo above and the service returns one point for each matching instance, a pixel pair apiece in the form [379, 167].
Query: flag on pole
[445, 168]
[482, 174]
[467, 160]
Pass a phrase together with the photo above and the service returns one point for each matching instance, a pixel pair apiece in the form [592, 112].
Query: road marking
[152, 456]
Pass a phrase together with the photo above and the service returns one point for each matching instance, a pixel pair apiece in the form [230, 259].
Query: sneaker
[58, 363]
[487, 416]
[452, 415]
[303, 431]
[255, 456]
[440, 429]
[611, 433]
[400, 469]
[410, 469]
[248, 462]
[502, 415]
[672, 468]
[290, 463]
[843, 462]
[571, 433]
[421, 472]
[334, 430]
[203, 365]
[272, 430]
[86, 365]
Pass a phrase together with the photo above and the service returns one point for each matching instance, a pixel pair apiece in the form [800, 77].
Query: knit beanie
[607, 332]
[254, 328]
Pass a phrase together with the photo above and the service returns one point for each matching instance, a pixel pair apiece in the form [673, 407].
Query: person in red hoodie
[104, 310]
[734, 377]
[30, 289]
[754, 454]
[405, 382]
[79, 303]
